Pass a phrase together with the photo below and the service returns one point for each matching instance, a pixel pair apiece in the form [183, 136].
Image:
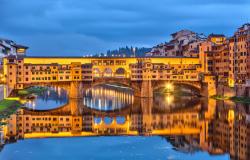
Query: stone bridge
[143, 88]
[141, 74]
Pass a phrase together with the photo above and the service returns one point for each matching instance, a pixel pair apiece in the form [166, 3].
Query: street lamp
[169, 87]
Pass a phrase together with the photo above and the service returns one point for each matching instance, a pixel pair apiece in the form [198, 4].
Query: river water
[110, 123]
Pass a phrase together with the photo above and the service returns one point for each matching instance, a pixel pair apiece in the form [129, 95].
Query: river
[110, 123]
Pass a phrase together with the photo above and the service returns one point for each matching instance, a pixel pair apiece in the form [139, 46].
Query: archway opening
[107, 72]
[120, 73]
[108, 120]
[97, 120]
[177, 89]
[183, 96]
[120, 120]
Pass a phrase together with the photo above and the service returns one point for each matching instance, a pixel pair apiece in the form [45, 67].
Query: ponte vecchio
[143, 75]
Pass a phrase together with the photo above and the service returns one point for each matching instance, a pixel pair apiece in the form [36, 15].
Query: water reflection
[170, 101]
[190, 124]
[51, 98]
[108, 97]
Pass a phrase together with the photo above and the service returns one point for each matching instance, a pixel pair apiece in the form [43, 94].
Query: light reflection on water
[170, 101]
[108, 98]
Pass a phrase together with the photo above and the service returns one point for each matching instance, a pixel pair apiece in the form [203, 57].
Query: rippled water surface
[100, 148]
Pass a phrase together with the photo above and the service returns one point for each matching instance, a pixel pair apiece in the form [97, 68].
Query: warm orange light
[169, 87]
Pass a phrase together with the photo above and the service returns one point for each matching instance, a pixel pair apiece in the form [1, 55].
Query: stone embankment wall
[238, 90]
[242, 91]
[225, 91]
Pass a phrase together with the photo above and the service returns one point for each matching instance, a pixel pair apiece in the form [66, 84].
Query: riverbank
[243, 100]
[8, 107]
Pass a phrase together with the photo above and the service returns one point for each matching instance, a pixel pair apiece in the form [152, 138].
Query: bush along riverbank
[8, 107]
[244, 100]
[30, 90]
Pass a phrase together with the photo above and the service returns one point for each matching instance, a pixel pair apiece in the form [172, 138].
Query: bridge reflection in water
[107, 98]
[101, 109]
[213, 125]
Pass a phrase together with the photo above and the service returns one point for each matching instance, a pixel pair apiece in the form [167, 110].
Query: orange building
[228, 59]
[215, 57]
[239, 53]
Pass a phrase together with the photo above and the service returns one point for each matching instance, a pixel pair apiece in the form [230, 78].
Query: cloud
[62, 27]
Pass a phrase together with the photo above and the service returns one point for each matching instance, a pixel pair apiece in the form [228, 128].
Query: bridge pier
[146, 90]
[208, 86]
[76, 90]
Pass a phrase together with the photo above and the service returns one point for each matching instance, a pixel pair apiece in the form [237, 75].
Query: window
[11, 60]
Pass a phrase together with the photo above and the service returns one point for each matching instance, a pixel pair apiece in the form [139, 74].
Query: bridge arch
[125, 82]
[194, 86]
[120, 73]
[96, 73]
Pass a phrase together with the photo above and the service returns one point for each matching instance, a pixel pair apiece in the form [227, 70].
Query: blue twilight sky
[78, 27]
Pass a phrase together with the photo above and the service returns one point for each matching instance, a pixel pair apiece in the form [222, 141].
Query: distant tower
[134, 51]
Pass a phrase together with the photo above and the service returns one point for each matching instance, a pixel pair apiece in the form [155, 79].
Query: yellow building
[20, 72]
[217, 38]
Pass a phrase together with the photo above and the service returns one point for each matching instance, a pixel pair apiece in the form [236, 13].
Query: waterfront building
[214, 54]
[239, 58]
[7, 48]
[227, 59]
[183, 43]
